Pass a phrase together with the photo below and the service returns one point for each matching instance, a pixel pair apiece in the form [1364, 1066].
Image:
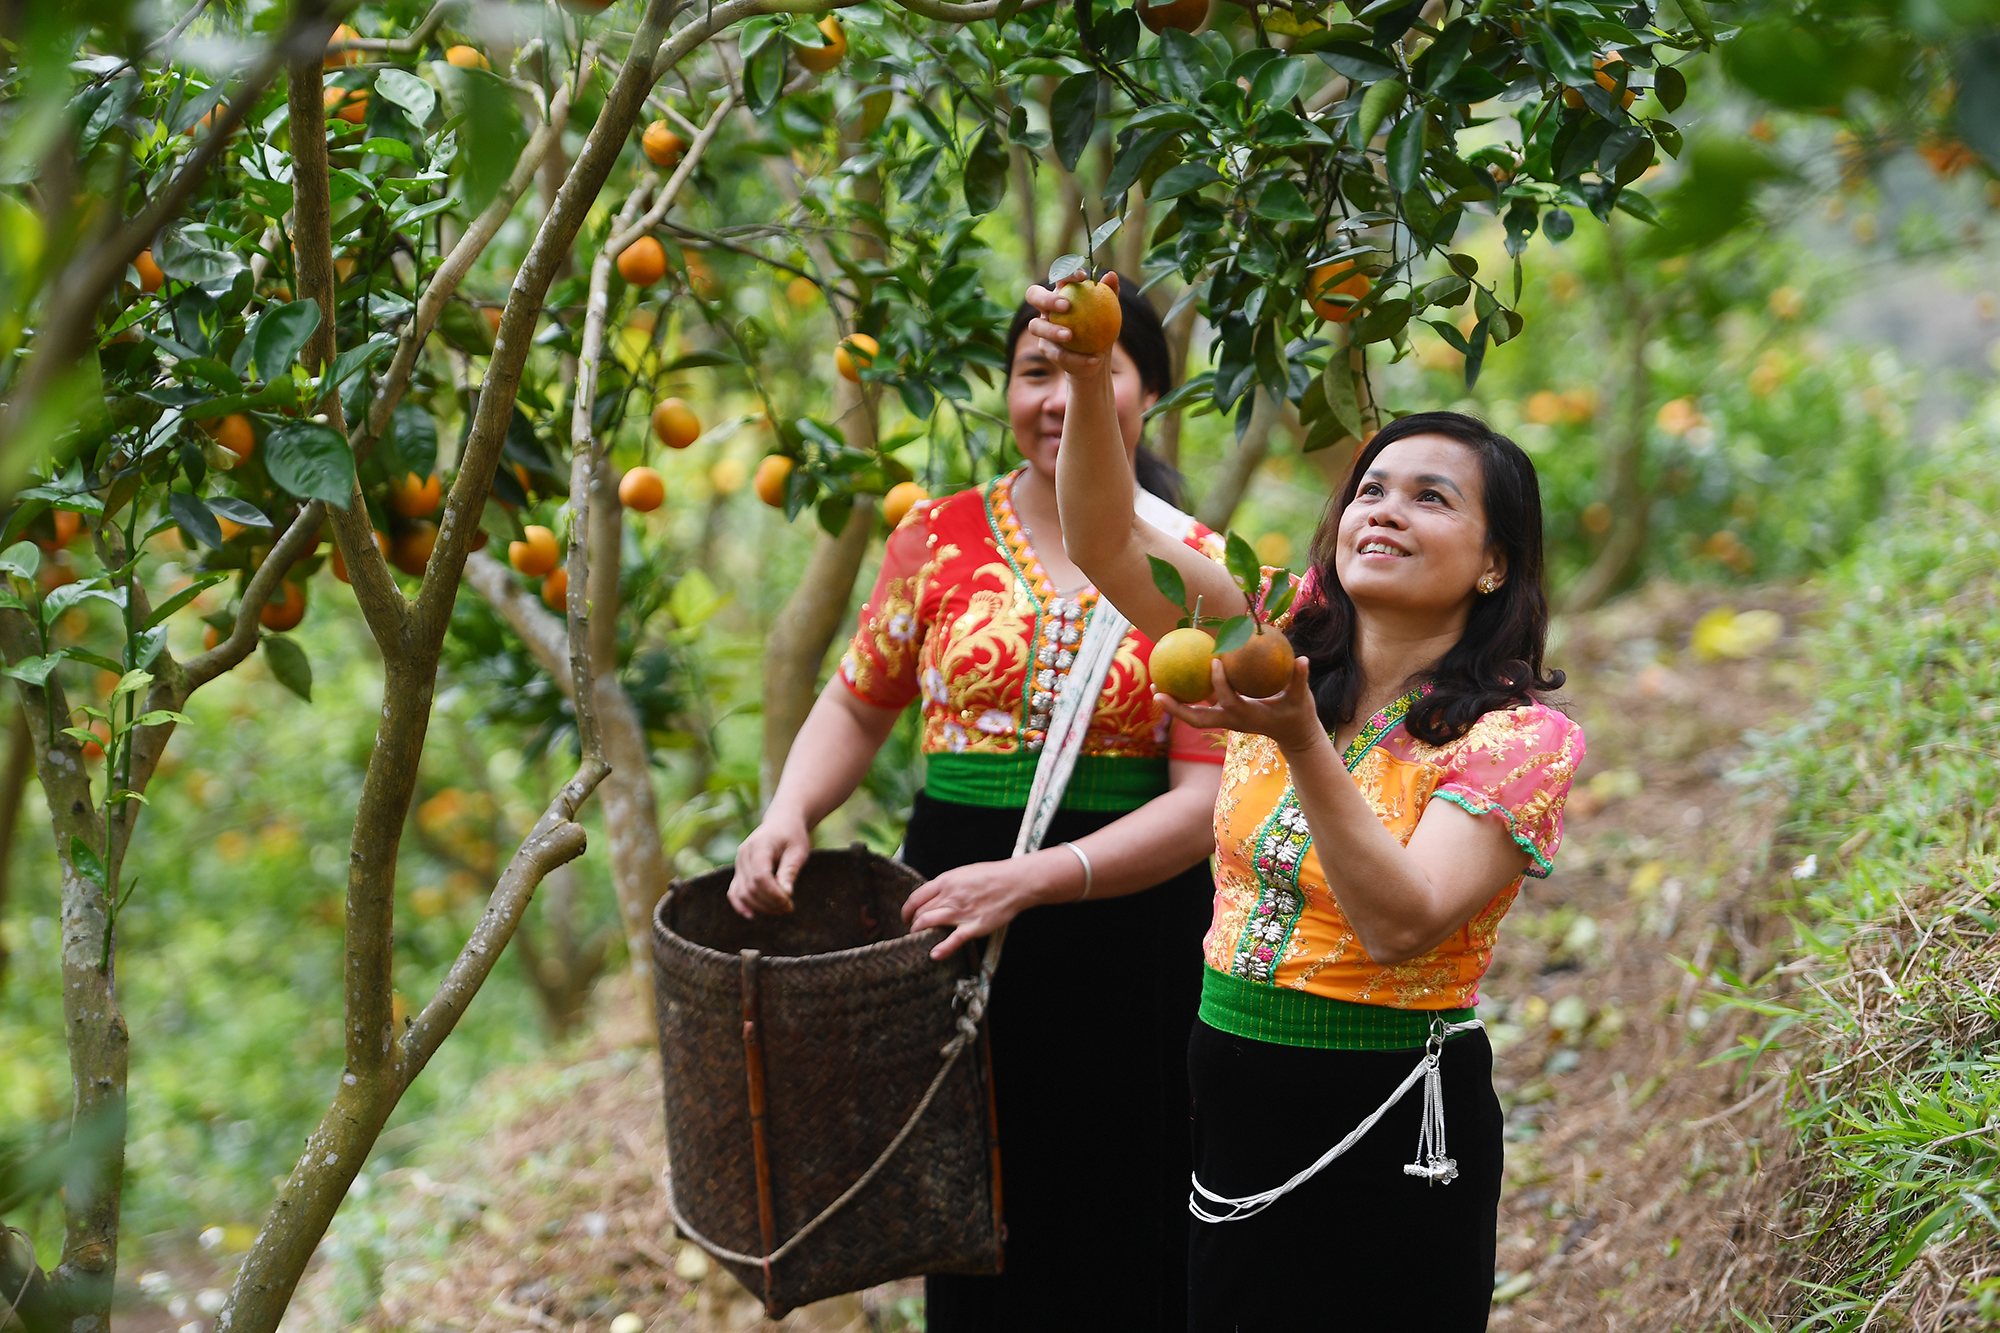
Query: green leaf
[1282, 201]
[491, 134]
[131, 682]
[1671, 87]
[1183, 179]
[194, 519]
[21, 559]
[1281, 600]
[1073, 117]
[1385, 321]
[83, 858]
[288, 665]
[700, 360]
[1698, 18]
[188, 260]
[1278, 82]
[1235, 632]
[1244, 566]
[1363, 64]
[1187, 66]
[277, 336]
[1376, 105]
[35, 670]
[310, 461]
[1169, 581]
[1920, 1236]
[985, 177]
[1341, 405]
[160, 716]
[1406, 151]
[695, 599]
[395, 149]
[184, 596]
[917, 176]
[412, 95]
[1064, 267]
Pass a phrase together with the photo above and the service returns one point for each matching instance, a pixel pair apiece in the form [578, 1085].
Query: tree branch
[242, 640]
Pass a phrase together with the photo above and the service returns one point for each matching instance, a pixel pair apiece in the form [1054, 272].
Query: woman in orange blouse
[1375, 822]
[976, 618]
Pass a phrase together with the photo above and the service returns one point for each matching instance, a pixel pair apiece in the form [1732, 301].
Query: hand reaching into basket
[767, 865]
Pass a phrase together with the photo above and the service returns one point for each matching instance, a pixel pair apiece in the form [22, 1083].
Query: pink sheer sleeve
[1515, 765]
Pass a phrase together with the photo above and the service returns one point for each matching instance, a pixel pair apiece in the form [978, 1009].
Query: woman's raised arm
[1106, 539]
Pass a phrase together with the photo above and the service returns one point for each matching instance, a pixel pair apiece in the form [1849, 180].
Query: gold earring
[1487, 584]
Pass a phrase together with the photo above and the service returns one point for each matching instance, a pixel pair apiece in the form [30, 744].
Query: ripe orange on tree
[66, 524]
[150, 276]
[663, 146]
[901, 499]
[234, 433]
[643, 263]
[1607, 79]
[1094, 316]
[555, 588]
[642, 489]
[416, 497]
[820, 59]
[285, 609]
[348, 104]
[675, 423]
[769, 483]
[465, 57]
[1187, 15]
[856, 351]
[335, 59]
[537, 555]
[412, 551]
[1342, 279]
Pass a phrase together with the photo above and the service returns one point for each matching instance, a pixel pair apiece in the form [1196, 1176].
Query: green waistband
[1288, 1017]
[1100, 782]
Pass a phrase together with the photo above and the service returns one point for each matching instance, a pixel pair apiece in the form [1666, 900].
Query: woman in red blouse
[976, 618]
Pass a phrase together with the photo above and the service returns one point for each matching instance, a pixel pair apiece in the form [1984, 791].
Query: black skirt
[1090, 1015]
[1361, 1245]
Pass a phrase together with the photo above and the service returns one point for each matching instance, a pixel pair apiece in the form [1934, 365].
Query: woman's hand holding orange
[1288, 718]
[1073, 364]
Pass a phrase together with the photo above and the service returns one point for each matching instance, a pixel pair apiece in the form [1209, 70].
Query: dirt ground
[1630, 1157]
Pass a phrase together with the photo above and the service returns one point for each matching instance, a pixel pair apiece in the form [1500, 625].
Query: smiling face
[1038, 393]
[1413, 541]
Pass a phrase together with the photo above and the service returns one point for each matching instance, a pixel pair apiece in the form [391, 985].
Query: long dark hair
[1144, 339]
[1497, 661]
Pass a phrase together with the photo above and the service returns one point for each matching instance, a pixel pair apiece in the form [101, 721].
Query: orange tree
[234, 311]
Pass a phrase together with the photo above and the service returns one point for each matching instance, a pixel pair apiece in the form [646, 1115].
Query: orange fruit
[235, 433]
[209, 638]
[150, 276]
[229, 528]
[416, 497]
[95, 749]
[1342, 279]
[642, 489]
[1607, 79]
[537, 555]
[676, 424]
[663, 146]
[1179, 664]
[702, 280]
[769, 483]
[555, 589]
[66, 524]
[1093, 318]
[340, 565]
[643, 263]
[901, 499]
[856, 350]
[820, 59]
[207, 121]
[348, 104]
[1187, 15]
[335, 59]
[492, 314]
[412, 551]
[465, 57]
[1261, 667]
[285, 609]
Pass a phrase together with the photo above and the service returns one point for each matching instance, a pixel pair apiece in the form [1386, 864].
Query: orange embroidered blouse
[963, 617]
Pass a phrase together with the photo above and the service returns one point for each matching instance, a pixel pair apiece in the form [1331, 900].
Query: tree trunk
[13, 785]
[1623, 482]
[1233, 479]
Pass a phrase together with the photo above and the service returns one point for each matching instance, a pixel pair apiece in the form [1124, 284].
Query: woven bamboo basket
[796, 1050]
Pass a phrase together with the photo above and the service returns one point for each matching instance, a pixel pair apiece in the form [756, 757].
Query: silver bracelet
[1086, 871]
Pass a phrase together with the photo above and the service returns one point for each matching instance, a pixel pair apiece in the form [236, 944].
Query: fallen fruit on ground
[285, 609]
[675, 423]
[150, 276]
[642, 489]
[413, 548]
[663, 146]
[537, 555]
[820, 59]
[1187, 15]
[1180, 664]
[643, 263]
[1093, 318]
[416, 497]
[856, 350]
[769, 483]
[902, 498]
[465, 57]
[555, 588]
[1261, 667]
[1343, 279]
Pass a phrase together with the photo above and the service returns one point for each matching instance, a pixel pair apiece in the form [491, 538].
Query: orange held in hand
[1261, 667]
[286, 608]
[1333, 280]
[416, 497]
[901, 499]
[642, 489]
[537, 555]
[1187, 15]
[663, 146]
[675, 423]
[769, 483]
[1180, 664]
[820, 59]
[555, 588]
[1093, 318]
[856, 351]
[643, 263]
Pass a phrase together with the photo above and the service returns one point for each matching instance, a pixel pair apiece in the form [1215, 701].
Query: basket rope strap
[1431, 1164]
